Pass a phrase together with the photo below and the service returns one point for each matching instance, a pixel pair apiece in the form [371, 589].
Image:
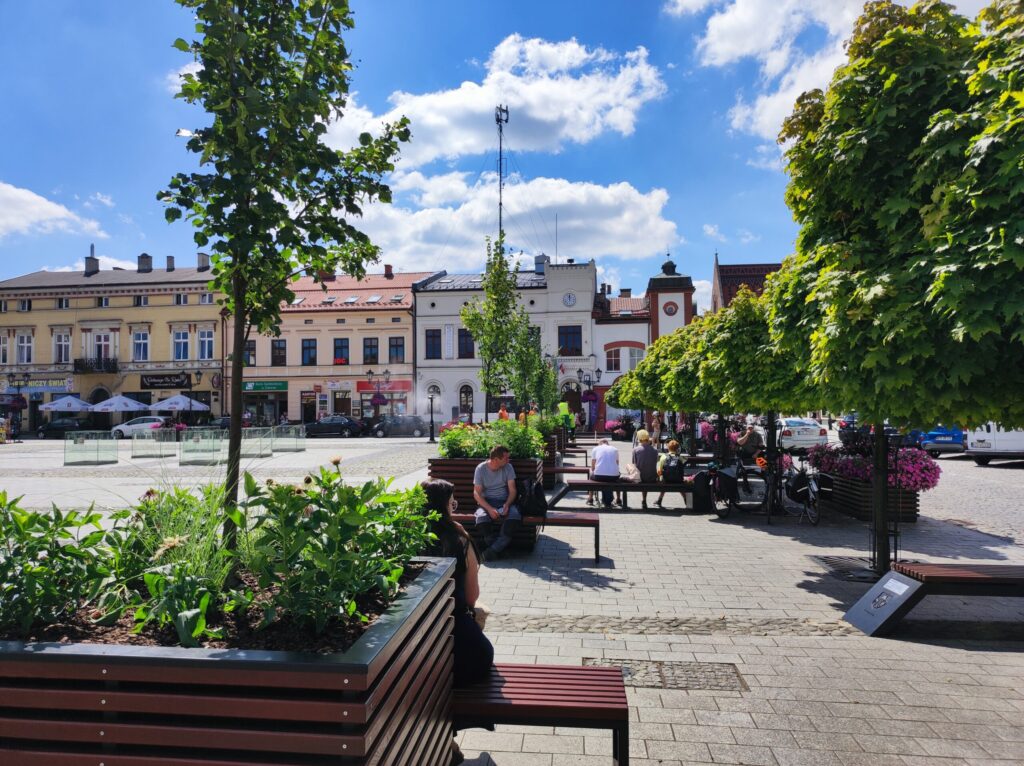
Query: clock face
[671, 308]
[569, 299]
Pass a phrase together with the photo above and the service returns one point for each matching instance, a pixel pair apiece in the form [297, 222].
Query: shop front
[152, 388]
[393, 398]
[22, 399]
[265, 401]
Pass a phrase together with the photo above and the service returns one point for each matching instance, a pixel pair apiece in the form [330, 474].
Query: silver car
[125, 430]
[801, 433]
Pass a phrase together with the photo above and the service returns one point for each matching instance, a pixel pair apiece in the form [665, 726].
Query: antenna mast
[500, 119]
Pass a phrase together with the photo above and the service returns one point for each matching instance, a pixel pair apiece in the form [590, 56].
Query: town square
[393, 384]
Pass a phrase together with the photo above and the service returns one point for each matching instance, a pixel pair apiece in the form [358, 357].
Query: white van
[990, 442]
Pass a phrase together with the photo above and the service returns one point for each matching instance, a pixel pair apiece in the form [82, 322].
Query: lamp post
[430, 398]
[13, 379]
[199, 379]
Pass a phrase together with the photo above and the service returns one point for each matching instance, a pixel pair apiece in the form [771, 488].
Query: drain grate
[653, 674]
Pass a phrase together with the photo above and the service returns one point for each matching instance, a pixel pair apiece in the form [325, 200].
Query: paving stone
[756, 756]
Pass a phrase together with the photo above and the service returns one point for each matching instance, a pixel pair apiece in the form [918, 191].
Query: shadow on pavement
[558, 562]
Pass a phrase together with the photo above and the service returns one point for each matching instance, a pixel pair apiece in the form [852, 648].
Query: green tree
[271, 199]
[545, 388]
[493, 320]
[524, 358]
[851, 305]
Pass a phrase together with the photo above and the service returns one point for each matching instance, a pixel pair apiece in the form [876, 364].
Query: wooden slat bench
[880, 610]
[549, 695]
[625, 487]
[526, 536]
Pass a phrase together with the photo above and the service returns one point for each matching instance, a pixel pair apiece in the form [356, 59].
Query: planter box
[459, 471]
[853, 498]
[550, 462]
[387, 700]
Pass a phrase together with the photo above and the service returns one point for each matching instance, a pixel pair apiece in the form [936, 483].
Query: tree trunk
[720, 431]
[879, 489]
[692, 417]
[235, 429]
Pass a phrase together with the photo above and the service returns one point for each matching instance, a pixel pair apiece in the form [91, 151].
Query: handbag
[631, 474]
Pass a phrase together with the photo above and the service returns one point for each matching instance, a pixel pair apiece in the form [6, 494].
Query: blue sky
[645, 127]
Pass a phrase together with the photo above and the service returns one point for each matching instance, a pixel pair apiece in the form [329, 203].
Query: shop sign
[264, 385]
[307, 396]
[177, 380]
[394, 385]
[40, 386]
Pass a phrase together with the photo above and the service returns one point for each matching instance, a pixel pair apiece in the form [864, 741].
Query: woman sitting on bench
[474, 654]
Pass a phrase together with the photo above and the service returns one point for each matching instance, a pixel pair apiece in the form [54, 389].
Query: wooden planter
[561, 438]
[459, 471]
[387, 700]
[853, 498]
[550, 462]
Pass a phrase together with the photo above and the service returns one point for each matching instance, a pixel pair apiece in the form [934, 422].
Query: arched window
[570, 386]
[434, 390]
[466, 400]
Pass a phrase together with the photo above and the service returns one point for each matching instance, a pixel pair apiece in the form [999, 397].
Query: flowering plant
[179, 427]
[910, 468]
[611, 425]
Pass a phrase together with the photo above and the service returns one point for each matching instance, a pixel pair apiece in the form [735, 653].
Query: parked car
[56, 428]
[846, 421]
[852, 431]
[335, 425]
[400, 425]
[992, 442]
[224, 421]
[943, 440]
[800, 433]
[125, 430]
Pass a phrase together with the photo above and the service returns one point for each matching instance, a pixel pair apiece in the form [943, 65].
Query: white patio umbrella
[179, 403]
[119, 403]
[67, 404]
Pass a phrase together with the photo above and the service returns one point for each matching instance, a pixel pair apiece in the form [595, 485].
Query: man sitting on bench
[604, 466]
[494, 489]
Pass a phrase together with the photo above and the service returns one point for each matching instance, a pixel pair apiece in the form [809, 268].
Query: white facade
[558, 297]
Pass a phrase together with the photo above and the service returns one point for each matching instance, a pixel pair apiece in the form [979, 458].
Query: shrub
[476, 441]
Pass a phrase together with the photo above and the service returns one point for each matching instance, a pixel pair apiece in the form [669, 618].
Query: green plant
[177, 597]
[47, 566]
[317, 547]
[477, 441]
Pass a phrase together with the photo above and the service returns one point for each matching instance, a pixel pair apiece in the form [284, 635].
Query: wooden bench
[549, 695]
[880, 610]
[625, 487]
[525, 536]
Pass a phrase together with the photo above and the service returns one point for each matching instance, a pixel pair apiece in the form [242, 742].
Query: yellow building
[146, 333]
[331, 341]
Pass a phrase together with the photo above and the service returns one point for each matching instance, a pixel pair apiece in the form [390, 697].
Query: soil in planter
[240, 631]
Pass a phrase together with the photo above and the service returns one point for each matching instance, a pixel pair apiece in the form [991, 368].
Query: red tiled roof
[636, 305]
[343, 288]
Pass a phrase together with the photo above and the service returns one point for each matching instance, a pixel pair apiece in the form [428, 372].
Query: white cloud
[106, 263]
[683, 7]
[593, 221]
[701, 295]
[746, 237]
[557, 93]
[104, 199]
[767, 157]
[172, 80]
[25, 212]
[610, 275]
[711, 232]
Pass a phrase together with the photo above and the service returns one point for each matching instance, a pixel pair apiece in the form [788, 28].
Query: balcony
[89, 366]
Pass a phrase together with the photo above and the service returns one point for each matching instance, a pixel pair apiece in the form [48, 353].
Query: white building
[560, 300]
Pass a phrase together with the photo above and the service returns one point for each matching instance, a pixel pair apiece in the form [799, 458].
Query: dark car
[222, 422]
[57, 427]
[851, 432]
[335, 425]
[399, 425]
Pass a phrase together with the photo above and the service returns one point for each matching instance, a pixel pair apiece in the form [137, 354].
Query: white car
[992, 442]
[800, 433]
[125, 430]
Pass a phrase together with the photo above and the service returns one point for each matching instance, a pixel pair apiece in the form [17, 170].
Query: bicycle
[760, 488]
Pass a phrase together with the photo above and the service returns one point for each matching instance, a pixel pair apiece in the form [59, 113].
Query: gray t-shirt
[494, 483]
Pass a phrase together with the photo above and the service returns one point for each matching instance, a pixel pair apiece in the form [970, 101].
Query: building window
[180, 345]
[612, 360]
[278, 352]
[140, 346]
[432, 348]
[250, 353]
[140, 300]
[102, 345]
[396, 320]
[370, 351]
[635, 356]
[3, 307]
[341, 351]
[24, 304]
[465, 344]
[63, 303]
[570, 340]
[3, 349]
[370, 320]
[206, 299]
[181, 299]
[309, 352]
[102, 302]
[24, 349]
[396, 350]
[206, 344]
[466, 400]
[62, 348]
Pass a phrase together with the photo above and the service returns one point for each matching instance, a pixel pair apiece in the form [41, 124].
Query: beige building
[147, 333]
[338, 347]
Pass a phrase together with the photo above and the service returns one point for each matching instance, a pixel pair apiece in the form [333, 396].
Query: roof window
[373, 299]
[351, 299]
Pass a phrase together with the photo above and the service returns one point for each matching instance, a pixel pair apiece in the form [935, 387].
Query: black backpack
[531, 498]
[672, 471]
[702, 500]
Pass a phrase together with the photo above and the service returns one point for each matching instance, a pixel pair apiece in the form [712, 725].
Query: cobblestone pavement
[987, 498]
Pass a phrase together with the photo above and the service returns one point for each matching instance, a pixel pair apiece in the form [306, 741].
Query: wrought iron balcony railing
[86, 366]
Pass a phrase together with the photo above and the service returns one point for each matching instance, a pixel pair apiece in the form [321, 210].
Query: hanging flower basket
[378, 400]
[589, 396]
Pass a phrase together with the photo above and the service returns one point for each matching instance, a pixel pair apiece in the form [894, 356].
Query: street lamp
[191, 385]
[430, 398]
[378, 398]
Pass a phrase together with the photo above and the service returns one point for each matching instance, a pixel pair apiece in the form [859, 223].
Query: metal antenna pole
[500, 119]
[556, 237]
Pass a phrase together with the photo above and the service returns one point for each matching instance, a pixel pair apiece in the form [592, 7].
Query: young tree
[493, 320]
[545, 388]
[524, 358]
[271, 199]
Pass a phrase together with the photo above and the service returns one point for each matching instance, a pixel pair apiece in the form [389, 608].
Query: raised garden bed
[853, 498]
[387, 700]
[550, 461]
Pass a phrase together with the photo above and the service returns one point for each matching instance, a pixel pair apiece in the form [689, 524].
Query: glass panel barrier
[90, 448]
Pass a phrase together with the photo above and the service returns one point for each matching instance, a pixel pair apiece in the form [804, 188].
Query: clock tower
[670, 297]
